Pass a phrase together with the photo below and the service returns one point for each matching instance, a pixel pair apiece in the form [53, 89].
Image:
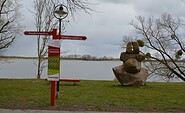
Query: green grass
[92, 96]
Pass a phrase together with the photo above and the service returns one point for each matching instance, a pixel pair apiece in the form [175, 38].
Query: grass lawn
[92, 96]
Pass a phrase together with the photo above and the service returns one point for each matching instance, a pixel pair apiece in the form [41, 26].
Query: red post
[53, 93]
[54, 33]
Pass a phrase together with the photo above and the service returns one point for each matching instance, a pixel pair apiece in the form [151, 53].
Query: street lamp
[60, 12]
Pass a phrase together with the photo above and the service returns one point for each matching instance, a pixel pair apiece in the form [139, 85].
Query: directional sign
[69, 37]
[55, 36]
[37, 33]
[54, 58]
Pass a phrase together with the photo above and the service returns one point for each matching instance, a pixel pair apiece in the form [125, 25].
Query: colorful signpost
[54, 60]
[54, 57]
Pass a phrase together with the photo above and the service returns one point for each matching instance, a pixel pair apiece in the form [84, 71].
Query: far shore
[62, 58]
[114, 59]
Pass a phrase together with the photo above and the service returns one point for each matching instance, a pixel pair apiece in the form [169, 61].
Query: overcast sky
[104, 28]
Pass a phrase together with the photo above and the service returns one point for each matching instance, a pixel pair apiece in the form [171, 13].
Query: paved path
[53, 111]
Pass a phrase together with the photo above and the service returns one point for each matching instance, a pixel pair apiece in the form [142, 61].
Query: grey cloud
[118, 1]
[106, 27]
[152, 7]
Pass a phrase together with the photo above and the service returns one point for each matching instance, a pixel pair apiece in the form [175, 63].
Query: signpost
[37, 33]
[54, 57]
[55, 36]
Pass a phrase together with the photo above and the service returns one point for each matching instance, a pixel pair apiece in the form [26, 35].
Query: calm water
[86, 70]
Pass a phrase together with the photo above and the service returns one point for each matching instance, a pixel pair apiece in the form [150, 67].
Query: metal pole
[58, 82]
[60, 21]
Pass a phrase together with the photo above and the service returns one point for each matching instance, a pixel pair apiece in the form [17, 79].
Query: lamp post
[60, 12]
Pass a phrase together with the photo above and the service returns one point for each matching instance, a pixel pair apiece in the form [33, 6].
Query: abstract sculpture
[131, 72]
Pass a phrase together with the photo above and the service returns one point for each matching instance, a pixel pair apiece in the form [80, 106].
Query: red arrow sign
[69, 37]
[37, 33]
[55, 36]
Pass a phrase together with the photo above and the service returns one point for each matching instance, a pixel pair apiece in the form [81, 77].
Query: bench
[68, 80]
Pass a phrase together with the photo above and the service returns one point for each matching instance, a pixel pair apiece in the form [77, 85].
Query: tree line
[87, 57]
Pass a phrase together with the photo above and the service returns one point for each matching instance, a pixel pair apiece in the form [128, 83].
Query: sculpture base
[126, 78]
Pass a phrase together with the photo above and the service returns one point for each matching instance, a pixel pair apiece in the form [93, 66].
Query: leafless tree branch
[160, 35]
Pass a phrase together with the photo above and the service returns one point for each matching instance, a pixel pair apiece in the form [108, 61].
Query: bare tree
[126, 39]
[75, 5]
[156, 68]
[43, 17]
[161, 35]
[45, 21]
[9, 22]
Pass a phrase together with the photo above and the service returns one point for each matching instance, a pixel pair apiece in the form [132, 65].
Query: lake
[77, 69]
[87, 70]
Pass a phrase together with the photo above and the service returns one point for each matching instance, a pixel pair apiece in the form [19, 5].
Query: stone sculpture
[131, 72]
